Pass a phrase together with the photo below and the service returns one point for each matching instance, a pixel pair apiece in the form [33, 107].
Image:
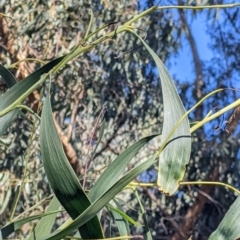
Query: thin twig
[91, 141]
[80, 49]
[211, 183]
[74, 112]
[24, 171]
[231, 5]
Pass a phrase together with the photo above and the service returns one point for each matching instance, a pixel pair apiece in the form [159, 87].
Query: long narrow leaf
[61, 176]
[144, 216]
[176, 154]
[121, 213]
[45, 225]
[12, 227]
[7, 119]
[229, 227]
[115, 169]
[7, 76]
[122, 223]
[10, 99]
[102, 200]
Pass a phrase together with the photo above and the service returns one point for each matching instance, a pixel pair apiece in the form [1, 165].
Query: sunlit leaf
[229, 227]
[176, 154]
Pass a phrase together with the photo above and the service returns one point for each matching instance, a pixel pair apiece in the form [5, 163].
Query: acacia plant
[85, 206]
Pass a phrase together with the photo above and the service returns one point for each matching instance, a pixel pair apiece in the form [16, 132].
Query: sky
[184, 58]
[181, 65]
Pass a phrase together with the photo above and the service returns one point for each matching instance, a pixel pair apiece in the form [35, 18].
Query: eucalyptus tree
[116, 81]
[114, 85]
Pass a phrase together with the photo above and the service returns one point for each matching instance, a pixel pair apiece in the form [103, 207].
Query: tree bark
[191, 216]
[199, 84]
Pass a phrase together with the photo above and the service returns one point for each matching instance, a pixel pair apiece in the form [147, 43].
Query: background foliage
[125, 86]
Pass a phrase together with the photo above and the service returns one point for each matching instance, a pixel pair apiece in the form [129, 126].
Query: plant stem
[24, 173]
[81, 47]
[215, 115]
[231, 5]
[211, 183]
[136, 184]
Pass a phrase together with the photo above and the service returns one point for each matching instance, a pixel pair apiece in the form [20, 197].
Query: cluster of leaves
[80, 90]
[104, 79]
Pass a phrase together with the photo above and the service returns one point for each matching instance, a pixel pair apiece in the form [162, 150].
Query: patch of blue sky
[181, 64]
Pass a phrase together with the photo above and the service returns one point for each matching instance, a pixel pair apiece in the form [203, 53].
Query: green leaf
[13, 226]
[7, 76]
[144, 216]
[45, 225]
[106, 196]
[120, 219]
[176, 154]
[16, 94]
[110, 176]
[229, 227]
[61, 176]
[121, 213]
[7, 119]
[114, 170]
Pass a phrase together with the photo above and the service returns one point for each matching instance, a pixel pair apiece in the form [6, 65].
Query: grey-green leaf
[121, 222]
[7, 119]
[16, 94]
[229, 228]
[16, 225]
[115, 169]
[45, 225]
[61, 176]
[106, 196]
[176, 154]
[7, 76]
[144, 216]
